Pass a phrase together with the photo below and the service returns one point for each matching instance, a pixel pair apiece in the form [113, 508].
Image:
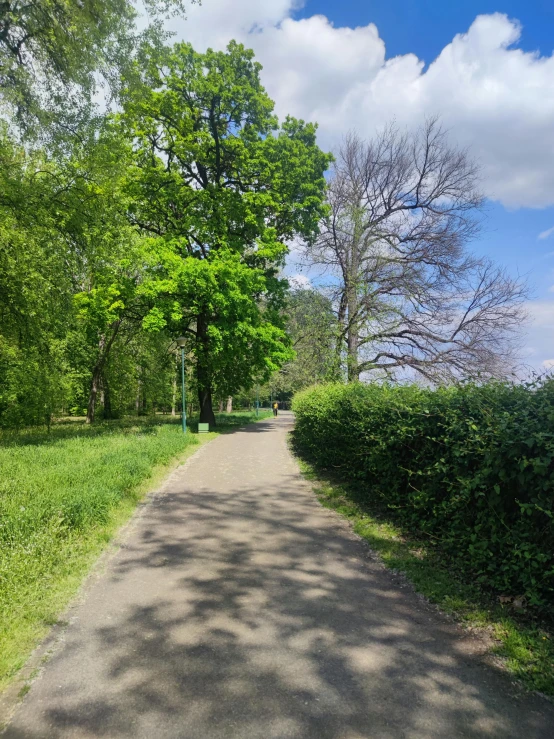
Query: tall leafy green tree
[107, 251]
[70, 266]
[35, 288]
[221, 188]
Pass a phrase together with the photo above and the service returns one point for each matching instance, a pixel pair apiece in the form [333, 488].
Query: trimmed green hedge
[471, 467]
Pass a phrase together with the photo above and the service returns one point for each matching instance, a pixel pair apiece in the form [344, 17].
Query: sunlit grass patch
[63, 494]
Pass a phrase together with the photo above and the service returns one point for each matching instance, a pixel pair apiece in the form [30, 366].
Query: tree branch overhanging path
[54, 54]
[409, 295]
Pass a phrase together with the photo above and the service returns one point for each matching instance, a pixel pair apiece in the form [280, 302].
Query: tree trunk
[203, 373]
[341, 331]
[93, 394]
[107, 399]
[229, 404]
[206, 410]
[103, 352]
[352, 336]
[137, 399]
[174, 398]
[352, 358]
[221, 406]
[96, 379]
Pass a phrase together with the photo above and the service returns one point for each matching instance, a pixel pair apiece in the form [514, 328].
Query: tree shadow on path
[257, 614]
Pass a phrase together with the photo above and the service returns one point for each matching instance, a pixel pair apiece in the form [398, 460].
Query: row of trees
[121, 231]
[168, 218]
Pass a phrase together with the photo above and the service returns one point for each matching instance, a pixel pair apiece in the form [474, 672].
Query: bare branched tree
[409, 295]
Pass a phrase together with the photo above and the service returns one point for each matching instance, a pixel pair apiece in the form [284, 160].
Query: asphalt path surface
[237, 607]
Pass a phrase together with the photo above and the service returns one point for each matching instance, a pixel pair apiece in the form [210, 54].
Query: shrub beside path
[238, 607]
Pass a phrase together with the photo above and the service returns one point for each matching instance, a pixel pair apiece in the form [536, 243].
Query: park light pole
[181, 341]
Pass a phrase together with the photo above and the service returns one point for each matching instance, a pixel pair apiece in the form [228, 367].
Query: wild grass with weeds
[63, 494]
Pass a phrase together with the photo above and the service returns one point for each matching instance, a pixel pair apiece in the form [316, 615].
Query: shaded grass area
[525, 644]
[63, 494]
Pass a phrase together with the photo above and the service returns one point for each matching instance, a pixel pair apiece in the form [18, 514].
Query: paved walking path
[238, 608]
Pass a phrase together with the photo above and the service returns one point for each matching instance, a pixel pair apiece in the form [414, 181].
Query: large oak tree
[221, 188]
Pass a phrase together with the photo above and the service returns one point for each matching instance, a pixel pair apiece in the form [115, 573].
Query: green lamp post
[181, 341]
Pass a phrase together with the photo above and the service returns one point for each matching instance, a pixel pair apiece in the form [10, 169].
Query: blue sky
[485, 67]
[424, 28]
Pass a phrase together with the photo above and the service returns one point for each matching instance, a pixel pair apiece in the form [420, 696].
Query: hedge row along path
[237, 607]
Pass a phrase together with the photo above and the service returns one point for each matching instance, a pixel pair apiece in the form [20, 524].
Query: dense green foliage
[60, 496]
[70, 265]
[221, 188]
[311, 325]
[53, 53]
[169, 219]
[470, 467]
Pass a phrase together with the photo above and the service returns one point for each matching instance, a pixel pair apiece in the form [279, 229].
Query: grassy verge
[525, 645]
[63, 495]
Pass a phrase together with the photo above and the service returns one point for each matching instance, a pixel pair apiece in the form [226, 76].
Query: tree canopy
[52, 49]
[120, 232]
[169, 218]
[312, 326]
[220, 188]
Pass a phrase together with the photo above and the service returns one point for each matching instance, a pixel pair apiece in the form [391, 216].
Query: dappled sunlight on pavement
[239, 607]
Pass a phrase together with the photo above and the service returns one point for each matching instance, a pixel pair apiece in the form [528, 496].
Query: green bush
[471, 467]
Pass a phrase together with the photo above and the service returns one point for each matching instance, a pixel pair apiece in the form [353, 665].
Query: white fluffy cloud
[300, 281]
[540, 334]
[215, 22]
[495, 98]
[546, 234]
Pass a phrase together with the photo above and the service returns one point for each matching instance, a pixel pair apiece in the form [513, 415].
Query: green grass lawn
[63, 495]
[525, 644]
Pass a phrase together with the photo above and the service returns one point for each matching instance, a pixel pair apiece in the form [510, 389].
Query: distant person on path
[275, 408]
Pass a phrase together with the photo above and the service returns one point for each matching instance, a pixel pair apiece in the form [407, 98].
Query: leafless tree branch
[409, 295]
